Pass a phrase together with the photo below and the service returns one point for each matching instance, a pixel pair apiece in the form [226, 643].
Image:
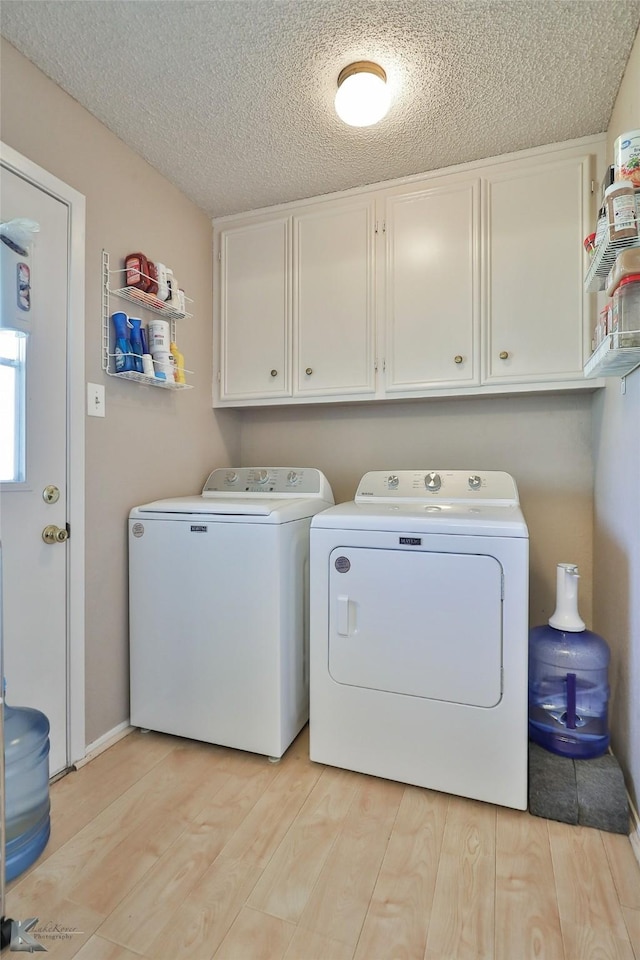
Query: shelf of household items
[603, 259]
[148, 302]
[614, 356]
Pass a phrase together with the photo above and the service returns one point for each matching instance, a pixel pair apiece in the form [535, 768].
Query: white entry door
[33, 447]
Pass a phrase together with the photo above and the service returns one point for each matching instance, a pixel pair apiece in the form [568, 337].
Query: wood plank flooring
[168, 849]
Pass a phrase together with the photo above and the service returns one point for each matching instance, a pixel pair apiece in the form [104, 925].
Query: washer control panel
[274, 482]
[450, 486]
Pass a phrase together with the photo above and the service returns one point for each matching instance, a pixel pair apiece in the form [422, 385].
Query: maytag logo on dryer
[410, 541]
[199, 528]
[137, 530]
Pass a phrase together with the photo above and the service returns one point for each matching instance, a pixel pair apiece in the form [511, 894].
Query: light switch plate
[95, 400]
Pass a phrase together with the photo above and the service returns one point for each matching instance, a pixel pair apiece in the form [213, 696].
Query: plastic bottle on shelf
[135, 339]
[163, 362]
[124, 360]
[153, 278]
[159, 336]
[163, 285]
[625, 311]
[173, 299]
[621, 211]
[178, 361]
[137, 271]
[627, 263]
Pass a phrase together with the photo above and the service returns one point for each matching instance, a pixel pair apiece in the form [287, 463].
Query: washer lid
[247, 510]
[210, 505]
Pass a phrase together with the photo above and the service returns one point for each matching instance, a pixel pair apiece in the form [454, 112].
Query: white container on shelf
[625, 311]
[626, 157]
[159, 337]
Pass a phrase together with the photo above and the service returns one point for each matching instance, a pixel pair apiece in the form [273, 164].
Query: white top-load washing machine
[419, 633]
[218, 601]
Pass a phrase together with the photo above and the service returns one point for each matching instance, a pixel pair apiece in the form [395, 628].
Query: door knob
[457, 359]
[274, 373]
[504, 355]
[53, 534]
[308, 371]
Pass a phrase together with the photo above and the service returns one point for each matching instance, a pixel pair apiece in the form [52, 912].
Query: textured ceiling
[232, 100]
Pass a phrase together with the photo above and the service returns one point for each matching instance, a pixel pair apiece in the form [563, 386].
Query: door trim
[75, 202]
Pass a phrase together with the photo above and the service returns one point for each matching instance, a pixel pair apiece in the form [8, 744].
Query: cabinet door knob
[274, 373]
[504, 355]
[458, 359]
[308, 371]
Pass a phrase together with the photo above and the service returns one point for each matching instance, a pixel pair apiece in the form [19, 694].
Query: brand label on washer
[199, 528]
[411, 541]
[343, 564]
[138, 530]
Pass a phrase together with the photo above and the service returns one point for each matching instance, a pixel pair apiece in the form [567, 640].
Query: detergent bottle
[568, 678]
[135, 338]
[122, 350]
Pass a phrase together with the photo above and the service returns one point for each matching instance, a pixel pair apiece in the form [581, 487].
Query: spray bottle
[123, 353]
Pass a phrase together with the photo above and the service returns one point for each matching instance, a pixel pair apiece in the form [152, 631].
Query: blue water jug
[27, 819]
[568, 679]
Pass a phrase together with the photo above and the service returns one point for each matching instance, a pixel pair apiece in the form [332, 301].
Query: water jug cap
[566, 616]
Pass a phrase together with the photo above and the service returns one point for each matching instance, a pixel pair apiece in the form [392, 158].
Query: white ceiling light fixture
[363, 97]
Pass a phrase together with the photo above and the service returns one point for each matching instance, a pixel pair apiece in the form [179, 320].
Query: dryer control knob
[231, 476]
[292, 476]
[475, 482]
[393, 481]
[262, 476]
[433, 481]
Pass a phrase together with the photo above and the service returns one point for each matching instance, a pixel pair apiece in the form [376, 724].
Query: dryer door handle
[343, 616]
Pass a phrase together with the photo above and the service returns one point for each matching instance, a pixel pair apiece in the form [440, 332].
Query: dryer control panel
[274, 482]
[450, 486]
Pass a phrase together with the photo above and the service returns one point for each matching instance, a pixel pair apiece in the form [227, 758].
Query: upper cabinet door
[333, 296]
[432, 300]
[536, 309]
[255, 310]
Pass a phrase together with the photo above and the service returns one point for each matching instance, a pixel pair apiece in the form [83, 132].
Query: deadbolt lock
[51, 494]
[53, 534]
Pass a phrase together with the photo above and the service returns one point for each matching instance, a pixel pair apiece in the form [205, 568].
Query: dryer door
[418, 623]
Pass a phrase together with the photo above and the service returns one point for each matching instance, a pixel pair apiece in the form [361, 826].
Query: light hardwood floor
[168, 849]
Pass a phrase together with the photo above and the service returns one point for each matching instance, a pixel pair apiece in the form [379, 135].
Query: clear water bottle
[568, 679]
[27, 819]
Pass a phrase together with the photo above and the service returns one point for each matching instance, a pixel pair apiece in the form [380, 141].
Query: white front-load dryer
[419, 633]
[219, 608]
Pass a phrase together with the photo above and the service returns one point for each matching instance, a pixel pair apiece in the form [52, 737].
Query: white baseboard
[103, 743]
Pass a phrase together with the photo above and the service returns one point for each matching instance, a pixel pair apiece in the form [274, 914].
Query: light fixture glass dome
[362, 98]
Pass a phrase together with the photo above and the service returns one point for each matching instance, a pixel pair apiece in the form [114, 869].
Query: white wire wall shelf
[147, 302]
[602, 261]
[615, 356]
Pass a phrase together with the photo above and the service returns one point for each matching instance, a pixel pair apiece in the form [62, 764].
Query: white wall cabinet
[466, 282]
[536, 313]
[255, 310]
[432, 290]
[334, 298]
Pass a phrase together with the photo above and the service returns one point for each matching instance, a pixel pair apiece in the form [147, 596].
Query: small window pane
[12, 406]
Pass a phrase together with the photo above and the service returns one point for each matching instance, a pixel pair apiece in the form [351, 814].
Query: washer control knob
[231, 476]
[433, 481]
[292, 476]
[475, 482]
[393, 481]
[262, 476]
